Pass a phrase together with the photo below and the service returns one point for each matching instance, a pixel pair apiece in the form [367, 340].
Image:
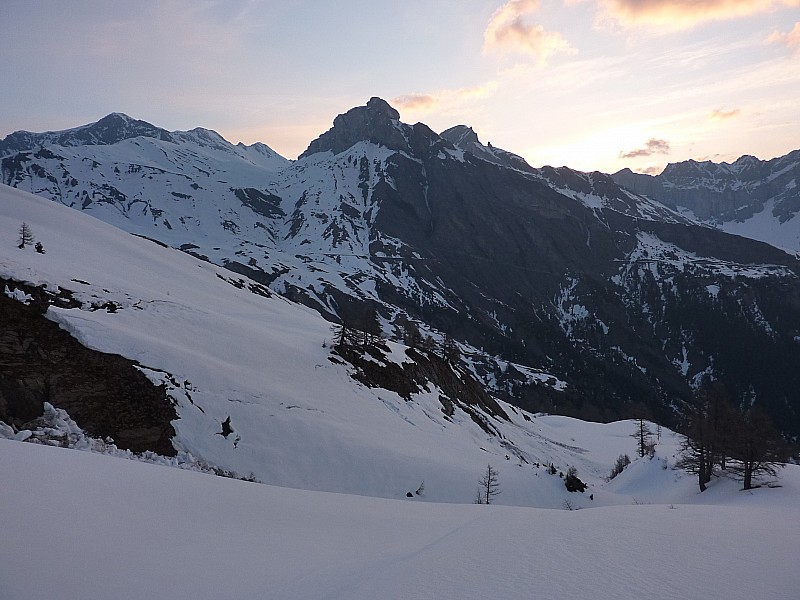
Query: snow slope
[763, 226]
[78, 525]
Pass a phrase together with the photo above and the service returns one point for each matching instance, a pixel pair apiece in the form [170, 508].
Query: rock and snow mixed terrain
[758, 199]
[544, 270]
[263, 364]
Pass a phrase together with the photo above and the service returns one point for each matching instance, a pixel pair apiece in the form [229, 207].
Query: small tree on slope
[758, 448]
[706, 437]
[643, 437]
[25, 236]
[489, 486]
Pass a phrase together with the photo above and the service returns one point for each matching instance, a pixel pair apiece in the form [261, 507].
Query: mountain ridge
[739, 197]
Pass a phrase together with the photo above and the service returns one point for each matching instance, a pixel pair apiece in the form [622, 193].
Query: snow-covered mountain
[564, 291]
[754, 198]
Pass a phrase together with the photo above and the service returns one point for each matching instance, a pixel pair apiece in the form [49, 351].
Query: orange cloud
[508, 31]
[650, 170]
[791, 39]
[653, 146]
[719, 114]
[425, 103]
[421, 102]
[684, 14]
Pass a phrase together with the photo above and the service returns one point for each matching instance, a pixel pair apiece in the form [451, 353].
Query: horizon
[136, 118]
[589, 84]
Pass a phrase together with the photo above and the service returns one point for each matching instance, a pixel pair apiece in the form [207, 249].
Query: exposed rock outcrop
[104, 393]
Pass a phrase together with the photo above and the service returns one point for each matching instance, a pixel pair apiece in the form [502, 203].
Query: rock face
[376, 122]
[104, 393]
[465, 138]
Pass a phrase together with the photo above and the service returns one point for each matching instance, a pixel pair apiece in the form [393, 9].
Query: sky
[590, 84]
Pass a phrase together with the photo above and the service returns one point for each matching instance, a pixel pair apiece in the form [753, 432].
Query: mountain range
[577, 293]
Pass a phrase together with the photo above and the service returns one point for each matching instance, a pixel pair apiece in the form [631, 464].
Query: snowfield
[337, 460]
[87, 526]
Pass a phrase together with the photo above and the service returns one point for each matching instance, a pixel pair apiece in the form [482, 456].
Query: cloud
[675, 15]
[791, 39]
[426, 103]
[421, 102]
[650, 170]
[508, 31]
[719, 114]
[653, 146]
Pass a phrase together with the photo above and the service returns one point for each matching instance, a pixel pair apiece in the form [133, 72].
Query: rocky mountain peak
[728, 192]
[461, 136]
[465, 138]
[377, 122]
[116, 127]
[379, 105]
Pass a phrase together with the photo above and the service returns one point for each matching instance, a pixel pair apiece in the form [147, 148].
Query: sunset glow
[592, 84]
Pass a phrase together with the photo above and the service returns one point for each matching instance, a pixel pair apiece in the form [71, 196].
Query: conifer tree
[25, 236]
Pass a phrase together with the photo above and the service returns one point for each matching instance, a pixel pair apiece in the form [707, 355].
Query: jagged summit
[376, 122]
[461, 135]
[380, 105]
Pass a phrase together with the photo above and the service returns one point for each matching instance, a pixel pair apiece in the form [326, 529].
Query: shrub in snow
[572, 482]
[622, 461]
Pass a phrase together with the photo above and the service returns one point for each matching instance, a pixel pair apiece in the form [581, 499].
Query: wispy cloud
[720, 114]
[791, 39]
[650, 170]
[508, 31]
[674, 15]
[653, 146]
[442, 99]
[420, 102]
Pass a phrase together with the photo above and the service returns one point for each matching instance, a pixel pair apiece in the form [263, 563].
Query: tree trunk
[748, 475]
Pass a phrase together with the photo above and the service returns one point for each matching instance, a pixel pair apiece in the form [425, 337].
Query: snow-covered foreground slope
[80, 525]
